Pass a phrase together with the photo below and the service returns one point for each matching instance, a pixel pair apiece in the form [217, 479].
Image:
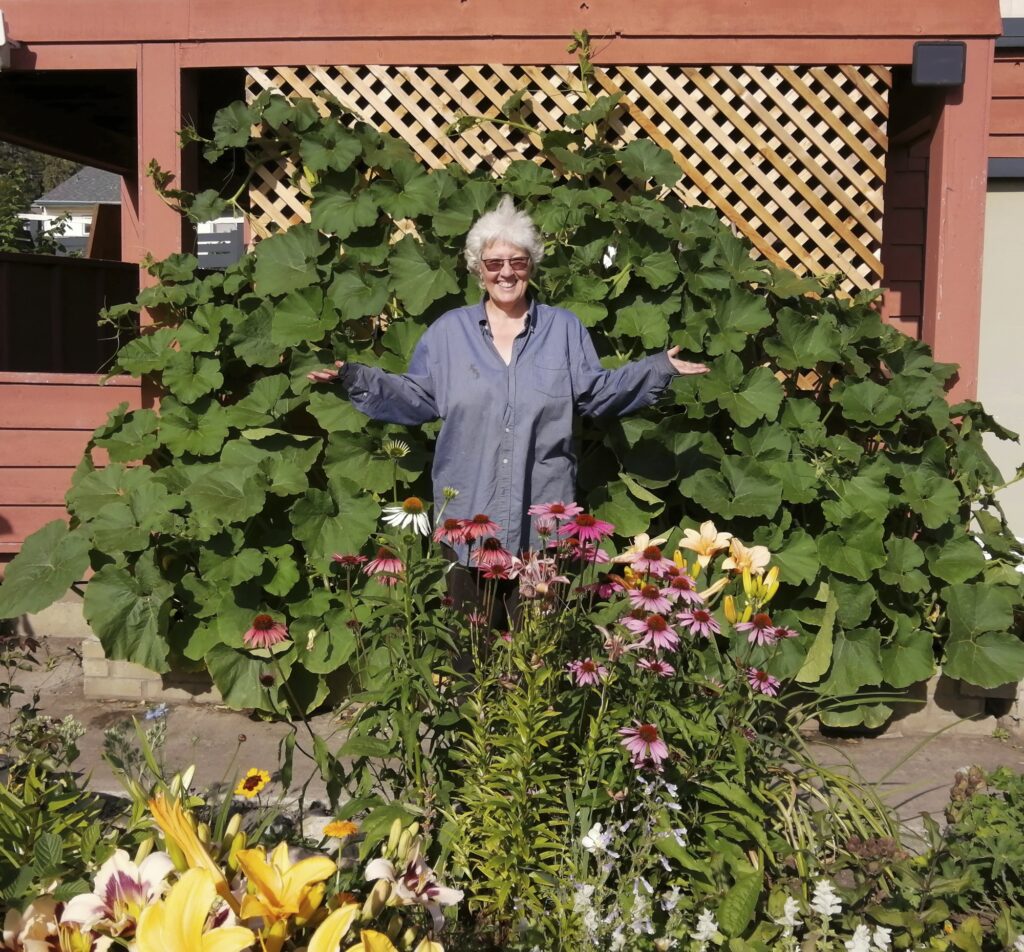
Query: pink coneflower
[498, 570]
[651, 561]
[476, 619]
[587, 671]
[614, 646]
[644, 743]
[699, 621]
[537, 576]
[348, 561]
[545, 526]
[386, 567]
[760, 630]
[681, 587]
[479, 526]
[451, 531]
[587, 528]
[265, 633]
[650, 598]
[655, 631]
[558, 511]
[657, 667]
[490, 554]
[762, 681]
[781, 633]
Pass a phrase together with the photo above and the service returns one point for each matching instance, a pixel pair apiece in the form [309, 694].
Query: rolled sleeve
[407, 398]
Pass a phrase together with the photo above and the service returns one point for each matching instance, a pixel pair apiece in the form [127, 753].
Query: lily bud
[729, 605]
[203, 832]
[377, 900]
[748, 583]
[393, 836]
[176, 855]
[145, 848]
[394, 925]
[747, 612]
[403, 845]
[237, 844]
[771, 581]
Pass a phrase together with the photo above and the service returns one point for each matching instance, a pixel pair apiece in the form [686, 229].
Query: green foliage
[821, 432]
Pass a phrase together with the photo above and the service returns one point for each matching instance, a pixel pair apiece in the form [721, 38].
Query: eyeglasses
[519, 264]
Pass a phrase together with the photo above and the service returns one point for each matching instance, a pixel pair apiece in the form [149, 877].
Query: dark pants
[468, 589]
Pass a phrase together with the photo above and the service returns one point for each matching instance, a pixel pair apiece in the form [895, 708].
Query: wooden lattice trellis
[793, 157]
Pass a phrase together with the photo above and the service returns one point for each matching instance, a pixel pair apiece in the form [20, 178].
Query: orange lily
[174, 823]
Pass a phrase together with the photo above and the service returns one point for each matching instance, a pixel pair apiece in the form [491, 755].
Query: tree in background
[24, 176]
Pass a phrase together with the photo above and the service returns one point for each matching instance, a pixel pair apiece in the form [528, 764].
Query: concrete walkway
[916, 772]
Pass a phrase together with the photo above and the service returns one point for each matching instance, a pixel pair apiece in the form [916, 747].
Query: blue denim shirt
[506, 440]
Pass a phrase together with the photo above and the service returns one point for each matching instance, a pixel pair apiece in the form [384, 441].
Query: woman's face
[505, 285]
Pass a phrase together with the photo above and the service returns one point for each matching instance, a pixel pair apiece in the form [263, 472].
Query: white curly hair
[504, 223]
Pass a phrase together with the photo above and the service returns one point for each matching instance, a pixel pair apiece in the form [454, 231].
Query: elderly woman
[506, 377]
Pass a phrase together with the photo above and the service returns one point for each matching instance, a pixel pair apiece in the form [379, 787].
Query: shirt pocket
[552, 377]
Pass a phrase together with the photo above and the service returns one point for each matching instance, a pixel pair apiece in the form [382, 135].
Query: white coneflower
[825, 902]
[394, 449]
[410, 513]
[1018, 944]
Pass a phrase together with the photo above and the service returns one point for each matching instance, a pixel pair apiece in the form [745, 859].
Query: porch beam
[955, 231]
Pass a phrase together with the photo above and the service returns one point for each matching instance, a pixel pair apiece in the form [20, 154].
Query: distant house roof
[86, 187]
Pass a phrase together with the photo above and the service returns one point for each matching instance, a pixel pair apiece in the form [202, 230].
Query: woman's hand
[681, 366]
[329, 376]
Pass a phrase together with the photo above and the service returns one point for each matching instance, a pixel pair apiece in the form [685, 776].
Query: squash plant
[821, 432]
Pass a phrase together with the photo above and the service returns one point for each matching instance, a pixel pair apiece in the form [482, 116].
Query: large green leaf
[804, 340]
[130, 612]
[50, 561]
[220, 495]
[758, 397]
[643, 321]
[335, 522]
[855, 550]
[738, 905]
[356, 294]
[867, 402]
[189, 377]
[989, 660]
[298, 318]
[742, 487]
[903, 561]
[959, 559]
[908, 659]
[237, 675]
[615, 504]
[643, 160]
[819, 655]
[337, 211]
[856, 662]
[417, 282]
[739, 315]
[931, 495]
[287, 261]
[797, 559]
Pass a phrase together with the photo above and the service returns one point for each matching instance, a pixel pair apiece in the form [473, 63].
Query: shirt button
[507, 429]
[505, 461]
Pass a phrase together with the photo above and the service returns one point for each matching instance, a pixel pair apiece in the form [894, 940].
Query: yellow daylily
[331, 931]
[754, 559]
[174, 823]
[370, 941]
[706, 543]
[282, 888]
[176, 923]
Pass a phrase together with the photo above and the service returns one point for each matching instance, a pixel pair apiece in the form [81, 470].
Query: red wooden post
[958, 173]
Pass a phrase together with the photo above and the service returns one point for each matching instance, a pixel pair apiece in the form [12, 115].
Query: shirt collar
[530, 319]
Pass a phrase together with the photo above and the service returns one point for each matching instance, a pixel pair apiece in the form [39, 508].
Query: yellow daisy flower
[252, 783]
[339, 829]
